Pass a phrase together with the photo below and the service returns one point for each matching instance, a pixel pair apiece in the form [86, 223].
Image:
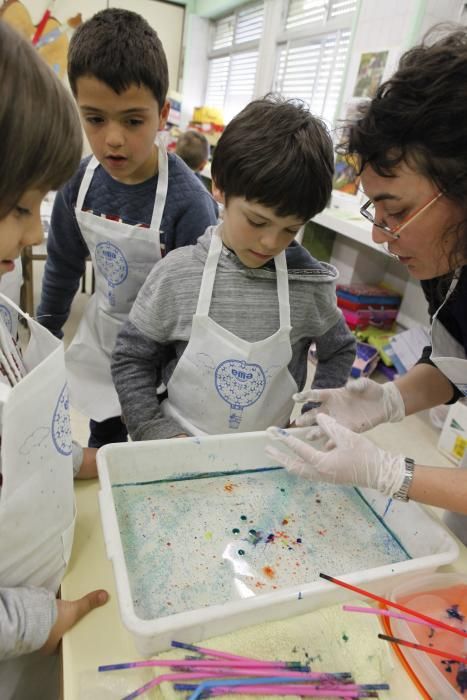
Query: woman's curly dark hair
[419, 116]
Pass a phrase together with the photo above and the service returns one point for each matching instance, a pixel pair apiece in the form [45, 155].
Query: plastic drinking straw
[296, 689]
[311, 676]
[290, 676]
[224, 654]
[170, 677]
[387, 613]
[262, 682]
[391, 604]
[422, 647]
[198, 663]
[302, 690]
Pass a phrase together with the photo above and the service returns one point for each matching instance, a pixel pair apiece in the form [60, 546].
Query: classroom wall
[166, 18]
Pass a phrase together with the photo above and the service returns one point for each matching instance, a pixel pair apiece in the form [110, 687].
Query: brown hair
[277, 153]
[41, 140]
[119, 48]
[193, 148]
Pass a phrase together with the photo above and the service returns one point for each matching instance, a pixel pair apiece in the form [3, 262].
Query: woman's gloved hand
[359, 405]
[346, 458]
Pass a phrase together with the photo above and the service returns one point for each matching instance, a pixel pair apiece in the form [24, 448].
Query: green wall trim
[214, 8]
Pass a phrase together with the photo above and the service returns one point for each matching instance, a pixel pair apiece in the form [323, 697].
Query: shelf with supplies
[340, 235]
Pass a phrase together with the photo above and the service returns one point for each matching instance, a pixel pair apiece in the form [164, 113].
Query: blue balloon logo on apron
[5, 315]
[240, 385]
[112, 265]
[61, 428]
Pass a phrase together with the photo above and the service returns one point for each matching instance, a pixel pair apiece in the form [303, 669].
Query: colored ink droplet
[269, 571]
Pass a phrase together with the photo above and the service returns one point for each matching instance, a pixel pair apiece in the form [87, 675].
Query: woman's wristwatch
[403, 493]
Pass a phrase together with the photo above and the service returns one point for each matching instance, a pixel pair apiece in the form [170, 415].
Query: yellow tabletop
[100, 638]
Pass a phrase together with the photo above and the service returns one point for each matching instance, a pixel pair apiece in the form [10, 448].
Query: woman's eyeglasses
[368, 211]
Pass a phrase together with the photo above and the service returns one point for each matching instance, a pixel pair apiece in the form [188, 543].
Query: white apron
[223, 383]
[122, 257]
[10, 286]
[450, 358]
[36, 498]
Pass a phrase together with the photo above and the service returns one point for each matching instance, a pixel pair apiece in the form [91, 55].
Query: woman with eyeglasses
[411, 142]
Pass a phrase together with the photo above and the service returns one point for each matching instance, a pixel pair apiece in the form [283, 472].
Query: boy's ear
[164, 115]
[217, 194]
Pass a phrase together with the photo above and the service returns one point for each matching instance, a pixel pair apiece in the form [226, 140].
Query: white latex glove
[347, 458]
[359, 405]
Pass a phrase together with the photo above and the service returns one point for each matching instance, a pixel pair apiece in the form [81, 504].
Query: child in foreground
[39, 150]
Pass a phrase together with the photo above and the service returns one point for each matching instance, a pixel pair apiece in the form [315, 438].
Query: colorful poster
[370, 73]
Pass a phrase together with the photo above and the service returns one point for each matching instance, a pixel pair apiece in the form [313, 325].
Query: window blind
[233, 59]
[312, 70]
[303, 12]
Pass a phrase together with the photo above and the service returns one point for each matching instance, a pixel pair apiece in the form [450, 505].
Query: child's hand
[88, 468]
[69, 613]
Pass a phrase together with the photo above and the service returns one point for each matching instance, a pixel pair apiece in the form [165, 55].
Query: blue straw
[360, 686]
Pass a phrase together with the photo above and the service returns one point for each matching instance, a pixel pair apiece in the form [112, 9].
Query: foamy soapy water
[194, 541]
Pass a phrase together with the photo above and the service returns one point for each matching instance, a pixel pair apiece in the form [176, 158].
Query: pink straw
[388, 613]
[223, 654]
[311, 676]
[197, 663]
[329, 692]
[170, 677]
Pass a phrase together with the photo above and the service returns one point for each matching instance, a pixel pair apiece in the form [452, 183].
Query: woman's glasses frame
[395, 231]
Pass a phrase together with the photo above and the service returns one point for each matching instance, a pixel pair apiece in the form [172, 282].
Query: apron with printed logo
[36, 497]
[450, 358]
[122, 257]
[223, 383]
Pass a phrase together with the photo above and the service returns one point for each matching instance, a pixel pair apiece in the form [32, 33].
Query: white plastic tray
[426, 541]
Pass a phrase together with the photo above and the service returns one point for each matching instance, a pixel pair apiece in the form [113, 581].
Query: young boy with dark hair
[193, 147]
[126, 206]
[232, 342]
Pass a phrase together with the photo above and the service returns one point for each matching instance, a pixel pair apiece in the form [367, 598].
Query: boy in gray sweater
[227, 323]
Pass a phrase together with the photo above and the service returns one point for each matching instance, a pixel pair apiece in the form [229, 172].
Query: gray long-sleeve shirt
[244, 301]
[27, 615]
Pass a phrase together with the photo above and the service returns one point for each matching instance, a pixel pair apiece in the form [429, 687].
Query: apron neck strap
[209, 276]
[86, 181]
[162, 185]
